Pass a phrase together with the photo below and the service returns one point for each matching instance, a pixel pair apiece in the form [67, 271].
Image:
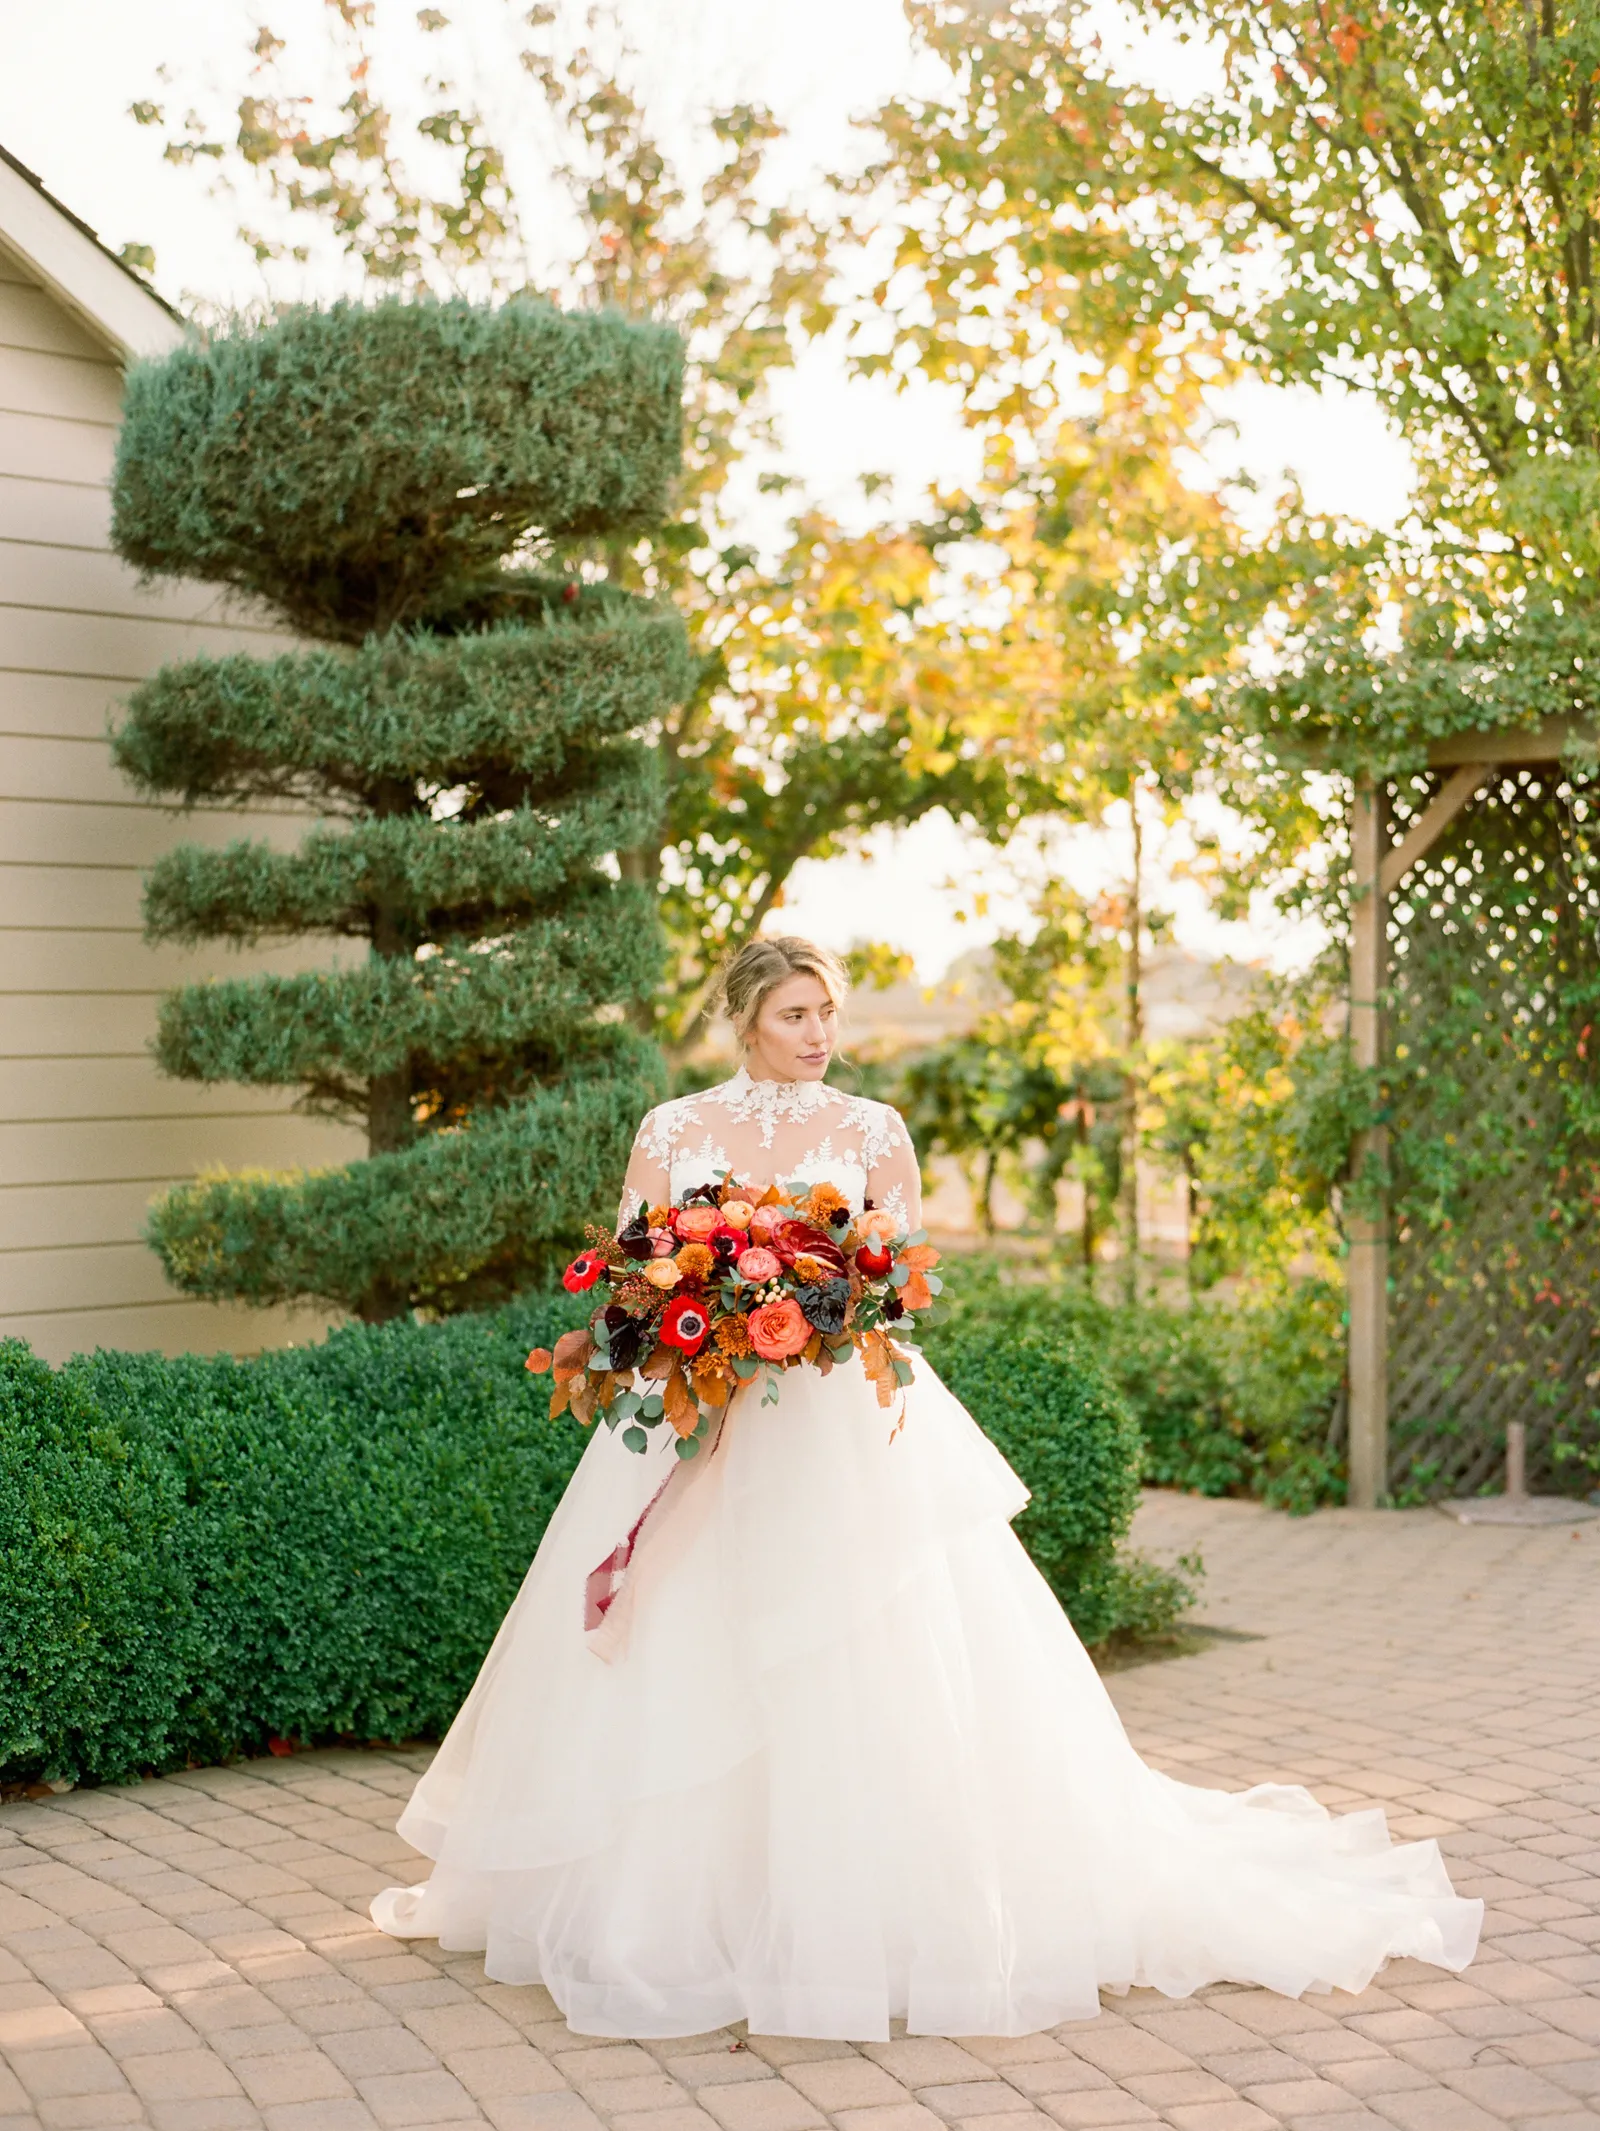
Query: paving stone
[928, 2061]
[370, 2052]
[889, 2116]
[351, 2115]
[213, 2113]
[542, 2112]
[761, 2105]
[69, 2070]
[91, 2112]
[180, 2075]
[624, 2060]
[1107, 2105]
[1509, 2090]
[1235, 2115]
[1289, 2100]
[504, 2069]
[959, 2102]
[690, 2119]
[717, 2068]
[293, 2076]
[403, 2100]
[610, 2096]
[845, 2083]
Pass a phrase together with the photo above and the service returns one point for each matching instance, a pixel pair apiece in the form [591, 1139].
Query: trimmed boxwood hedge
[198, 1555]
[1071, 1437]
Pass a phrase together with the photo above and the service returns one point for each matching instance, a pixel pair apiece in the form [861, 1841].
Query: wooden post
[1516, 1461]
[1369, 1238]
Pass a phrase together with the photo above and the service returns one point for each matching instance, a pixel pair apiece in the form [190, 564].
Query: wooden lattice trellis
[1492, 1288]
[1475, 1295]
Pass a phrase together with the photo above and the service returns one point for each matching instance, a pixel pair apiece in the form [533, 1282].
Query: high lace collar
[772, 1100]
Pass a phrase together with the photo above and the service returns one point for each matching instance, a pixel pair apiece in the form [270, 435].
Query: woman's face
[795, 1031]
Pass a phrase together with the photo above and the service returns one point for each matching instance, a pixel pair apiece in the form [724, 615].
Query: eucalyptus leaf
[635, 1438]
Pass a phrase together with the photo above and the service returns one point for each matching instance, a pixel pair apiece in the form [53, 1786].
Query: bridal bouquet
[733, 1283]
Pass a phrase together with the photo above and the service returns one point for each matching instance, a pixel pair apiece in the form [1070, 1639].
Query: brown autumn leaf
[573, 1350]
[916, 1294]
[683, 1410]
[538, 1361]
[661, 1363]
[560, 1399]
[581, 1390]
[712, 1383]
[877, 1360]
[812, 1347]
[921, 1257]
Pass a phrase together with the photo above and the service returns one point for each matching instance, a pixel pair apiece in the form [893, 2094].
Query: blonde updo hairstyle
[761, 965]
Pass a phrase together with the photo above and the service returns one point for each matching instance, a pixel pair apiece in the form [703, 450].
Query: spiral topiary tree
[467, 732]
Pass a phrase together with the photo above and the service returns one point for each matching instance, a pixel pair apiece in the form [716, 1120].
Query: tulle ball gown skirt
[836, 1756]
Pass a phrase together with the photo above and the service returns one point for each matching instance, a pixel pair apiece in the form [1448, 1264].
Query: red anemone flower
[583, 1272]
[685, 1325]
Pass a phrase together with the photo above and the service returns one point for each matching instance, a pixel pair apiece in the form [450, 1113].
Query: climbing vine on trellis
[1491, 1089]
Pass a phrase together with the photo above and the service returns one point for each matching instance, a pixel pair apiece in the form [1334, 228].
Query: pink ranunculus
[758, 1265]
[778, 1330]
[697, 1224]
[766, 1218]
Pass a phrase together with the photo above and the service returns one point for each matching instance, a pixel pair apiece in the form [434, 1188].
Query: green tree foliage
[472, 730]
[1400, 201]
[836, 691]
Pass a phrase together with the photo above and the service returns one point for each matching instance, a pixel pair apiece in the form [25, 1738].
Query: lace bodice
[775, 1132]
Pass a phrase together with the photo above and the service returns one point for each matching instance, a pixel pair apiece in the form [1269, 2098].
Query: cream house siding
[89, 1130]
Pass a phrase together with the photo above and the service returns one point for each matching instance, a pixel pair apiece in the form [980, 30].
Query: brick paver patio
[194, 1954]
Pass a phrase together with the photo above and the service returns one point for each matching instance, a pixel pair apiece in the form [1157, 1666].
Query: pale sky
[71, 68]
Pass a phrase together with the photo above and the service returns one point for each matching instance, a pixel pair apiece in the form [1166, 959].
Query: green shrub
[477, 742]
[1039, 1393]
[370, 464]
[1232, 1397]
[199, 1554]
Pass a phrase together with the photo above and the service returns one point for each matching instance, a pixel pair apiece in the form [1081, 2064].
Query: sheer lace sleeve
[893, 1179]
[649, 1179]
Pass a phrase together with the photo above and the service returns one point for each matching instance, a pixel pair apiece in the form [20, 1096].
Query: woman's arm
[649, 1178]
[893, 1179]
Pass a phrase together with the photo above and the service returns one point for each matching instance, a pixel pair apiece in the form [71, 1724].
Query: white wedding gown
[836, 1755]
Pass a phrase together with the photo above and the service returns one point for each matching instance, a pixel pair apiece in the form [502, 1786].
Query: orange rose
[697, 1224]
[875, 1222]
[778, 1329]
[737, 1212]
[662, 1272]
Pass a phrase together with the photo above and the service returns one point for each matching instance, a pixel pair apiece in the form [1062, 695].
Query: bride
[794, 1732]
